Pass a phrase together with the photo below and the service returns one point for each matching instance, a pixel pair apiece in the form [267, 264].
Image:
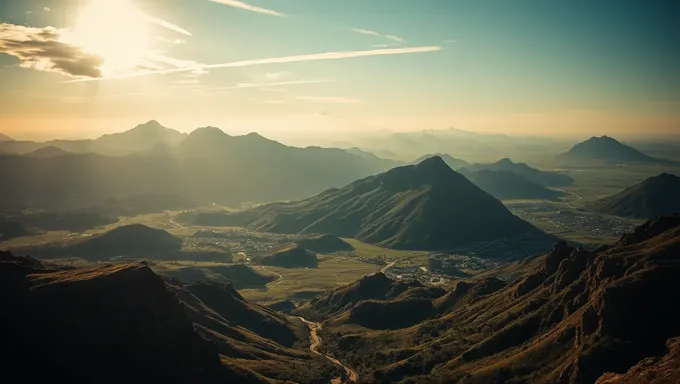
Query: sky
[81, 68]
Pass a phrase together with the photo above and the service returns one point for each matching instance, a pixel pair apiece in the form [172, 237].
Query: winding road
[314, 337]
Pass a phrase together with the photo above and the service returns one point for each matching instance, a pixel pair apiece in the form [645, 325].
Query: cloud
[46, 9]
[261, 85]
[395, 38]
[333, 100]
[171, 41]
[281, 60]
[276, 75]
[42, 50]
[249, 7]
[366, 32]
[374, 33]
[166, 24]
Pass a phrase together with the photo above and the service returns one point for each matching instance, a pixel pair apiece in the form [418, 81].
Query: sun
[114, 30]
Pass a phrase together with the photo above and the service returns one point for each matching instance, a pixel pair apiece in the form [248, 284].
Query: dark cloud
[41, 49]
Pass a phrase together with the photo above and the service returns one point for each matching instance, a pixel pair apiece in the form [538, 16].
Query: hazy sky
[74, 68]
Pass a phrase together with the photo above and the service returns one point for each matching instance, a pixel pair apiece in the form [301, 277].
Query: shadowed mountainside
[570, 317]
[653, 197]
[115, 323]
[325, 244]
[291, 256]
[135, 240]
[10, 229]
[606, 149]
[507, 185]
[425, 206]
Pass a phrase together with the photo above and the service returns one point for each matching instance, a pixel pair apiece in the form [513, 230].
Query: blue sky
[545, 67]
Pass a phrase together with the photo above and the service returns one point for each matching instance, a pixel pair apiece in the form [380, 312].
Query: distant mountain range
[123, 323]
[46, 152]
[426, 206]
[606, 149]
[544, 178]
[4, 138]
[142, 138]
[451, 161]
[653, 197]
[571, 316]
[507, 185]
[206, 166]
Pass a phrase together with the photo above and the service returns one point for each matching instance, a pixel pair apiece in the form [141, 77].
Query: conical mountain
[653, 197]
[451, 161]
[606, 149]
[143, 137]
[423, 206]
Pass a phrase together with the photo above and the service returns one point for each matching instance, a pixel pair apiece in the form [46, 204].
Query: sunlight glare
[114, 30]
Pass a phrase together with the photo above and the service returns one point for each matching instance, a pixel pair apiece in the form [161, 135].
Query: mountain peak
[433, 163]
[505, 161]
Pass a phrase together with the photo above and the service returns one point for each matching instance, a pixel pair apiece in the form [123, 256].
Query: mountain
[240, 276]
[606, 149]
[207, 166]
[507, 185]
[426, 206]
[386, 163]
[451, 161]
[653, 197]
[47, 152]
[571, 316]
[544, 178]
[4, 138]
[138, 139]
[290, 257]
[141, 138]
[135, 240]
[325, 244]
[10, 229]
[124, 323]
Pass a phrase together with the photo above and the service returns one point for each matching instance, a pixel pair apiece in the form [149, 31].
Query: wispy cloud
[450, 41]
[374, 33]
[249, 7]
[332, 100]
[395, 38]
[276, 75]
[366, 32]
[282, 60]
[43, 49]
[167, 25]
[263, 85]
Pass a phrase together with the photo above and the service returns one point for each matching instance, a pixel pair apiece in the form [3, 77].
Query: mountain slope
[123, 323]
[653, 197]
[572, 316]
[135, 240]
[4, 138]
[451, 161]
[507, 185]
[606, 149]
[425, 206]
[544, 178]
